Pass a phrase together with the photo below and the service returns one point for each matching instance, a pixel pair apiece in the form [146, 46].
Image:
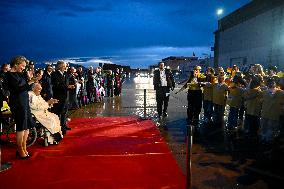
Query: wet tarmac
[220, 159]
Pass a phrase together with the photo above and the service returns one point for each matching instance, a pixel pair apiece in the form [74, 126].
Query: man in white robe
[39, 108]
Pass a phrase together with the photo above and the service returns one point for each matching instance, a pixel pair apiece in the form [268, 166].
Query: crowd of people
[255, 99]
[48, 93]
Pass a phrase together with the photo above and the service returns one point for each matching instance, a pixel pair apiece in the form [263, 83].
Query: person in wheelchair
[39, 108]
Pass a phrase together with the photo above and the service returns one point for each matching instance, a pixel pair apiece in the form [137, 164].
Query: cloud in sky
[144, 57]
[140, 57]
[74, 5]
[43, 29]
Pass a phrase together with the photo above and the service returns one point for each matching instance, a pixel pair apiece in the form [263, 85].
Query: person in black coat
[4, 93]
[73, 104]
[15, 82]
[109, 83]
[194, 95]
[46, 84]
[90, 85]
[81, 80]
[117, 82]
[163, 81]
[60, 87]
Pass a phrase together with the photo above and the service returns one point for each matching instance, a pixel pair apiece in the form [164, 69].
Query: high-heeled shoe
[18, 156]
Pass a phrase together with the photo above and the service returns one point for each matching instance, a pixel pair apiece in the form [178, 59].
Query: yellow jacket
[220, 92]
[272, 105]
[253, 101]
[208, 92]
[235, 97]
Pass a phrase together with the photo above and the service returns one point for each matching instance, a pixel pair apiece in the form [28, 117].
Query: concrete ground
[215, 164]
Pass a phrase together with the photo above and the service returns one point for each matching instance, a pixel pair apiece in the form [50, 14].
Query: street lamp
[219, 11]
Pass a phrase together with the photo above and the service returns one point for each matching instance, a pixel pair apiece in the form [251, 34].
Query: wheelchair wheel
[11, 135]
[32, 137]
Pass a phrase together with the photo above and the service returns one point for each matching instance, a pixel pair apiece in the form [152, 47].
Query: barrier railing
[145, 103]
[188, 156]
[189, 142]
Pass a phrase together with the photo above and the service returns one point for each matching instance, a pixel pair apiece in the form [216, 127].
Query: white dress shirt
[163, 78]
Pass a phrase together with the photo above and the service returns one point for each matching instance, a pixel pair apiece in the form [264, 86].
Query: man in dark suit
[163, 81]
[46, 85]
[60, 87]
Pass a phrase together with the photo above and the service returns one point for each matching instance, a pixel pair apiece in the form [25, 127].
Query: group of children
[255, 95]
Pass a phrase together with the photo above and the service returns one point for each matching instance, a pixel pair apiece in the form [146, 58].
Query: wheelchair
[8, 130]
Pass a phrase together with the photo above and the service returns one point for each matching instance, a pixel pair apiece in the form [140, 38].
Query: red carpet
[98, 153]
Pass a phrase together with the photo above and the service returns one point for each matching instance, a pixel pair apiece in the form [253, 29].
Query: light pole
[219, 13]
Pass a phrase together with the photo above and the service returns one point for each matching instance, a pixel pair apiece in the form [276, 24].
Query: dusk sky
[127, 32]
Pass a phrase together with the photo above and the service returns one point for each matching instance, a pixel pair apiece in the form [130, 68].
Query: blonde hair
[17, 60]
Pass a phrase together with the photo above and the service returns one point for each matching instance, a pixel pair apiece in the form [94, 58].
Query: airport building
[253, 34]
[180, 64]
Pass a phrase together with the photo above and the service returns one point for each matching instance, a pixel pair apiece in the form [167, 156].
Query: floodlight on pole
[220, 11]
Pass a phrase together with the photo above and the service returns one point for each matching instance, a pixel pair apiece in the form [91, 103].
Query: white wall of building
[258, 40]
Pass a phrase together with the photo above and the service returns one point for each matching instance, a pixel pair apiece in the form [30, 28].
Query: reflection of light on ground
[150, 112]
[150, 98]
[143, 82]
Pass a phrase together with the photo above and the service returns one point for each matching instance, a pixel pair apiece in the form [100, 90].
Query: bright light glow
[143, 83]
[220, 11]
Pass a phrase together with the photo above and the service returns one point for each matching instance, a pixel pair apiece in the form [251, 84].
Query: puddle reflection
[131, 101]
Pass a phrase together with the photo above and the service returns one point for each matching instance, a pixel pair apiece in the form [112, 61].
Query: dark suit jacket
[169, 78]
[59, 86]
[60, 92]
[72, 81]
[46, 91]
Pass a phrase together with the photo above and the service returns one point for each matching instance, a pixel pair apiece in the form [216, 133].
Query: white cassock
[39, 108]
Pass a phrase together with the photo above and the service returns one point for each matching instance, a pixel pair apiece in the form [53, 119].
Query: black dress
[19, 100]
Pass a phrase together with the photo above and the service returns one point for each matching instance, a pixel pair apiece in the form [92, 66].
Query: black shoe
[29, 154]
[165, 114]
[53, 143]
[66, 127]
[159, 118]
[18, 156]
[63, 131]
